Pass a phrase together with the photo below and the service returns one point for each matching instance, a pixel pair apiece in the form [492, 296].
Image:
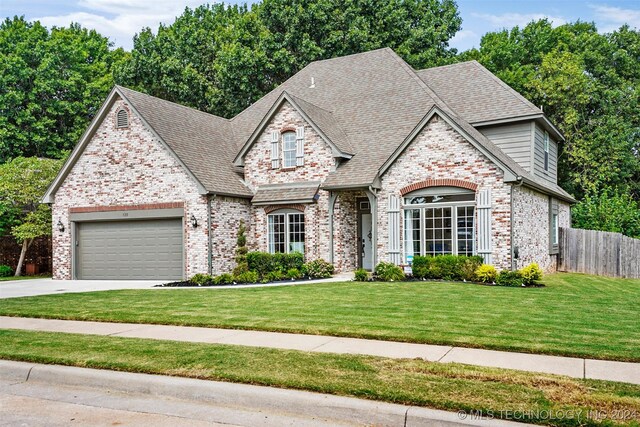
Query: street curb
[309, 404]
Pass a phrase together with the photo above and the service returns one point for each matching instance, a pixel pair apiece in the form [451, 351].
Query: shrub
[274, 276]
[241, 251]
[486, 273]
[531, 273]
[264, 263]
[223, 279]
[201, 279]
[246, 277]
[421, 267]
[389, 272]
[5, 271]
[361, 275]
[509, 278]
[260, 262]
[468, 267]
[448, 267]
[294, 274]
[319, 269]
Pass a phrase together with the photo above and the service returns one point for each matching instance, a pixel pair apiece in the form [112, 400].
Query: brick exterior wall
[122, 167]
[532, 228]
[318, 162]
[226, 213]
[439, 152]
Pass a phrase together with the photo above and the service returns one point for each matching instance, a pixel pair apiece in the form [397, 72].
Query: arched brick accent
[271, 208]
[287, 128]
[439, 183]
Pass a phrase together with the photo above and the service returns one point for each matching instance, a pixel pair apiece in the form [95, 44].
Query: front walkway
[573, 367]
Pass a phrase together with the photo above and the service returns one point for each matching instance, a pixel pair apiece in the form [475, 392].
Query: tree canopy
[52, 83]
[221, 59]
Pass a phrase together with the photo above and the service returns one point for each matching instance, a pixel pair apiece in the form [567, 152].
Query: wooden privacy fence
[599, 252]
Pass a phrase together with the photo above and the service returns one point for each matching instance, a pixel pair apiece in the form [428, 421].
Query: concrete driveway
[25, 288]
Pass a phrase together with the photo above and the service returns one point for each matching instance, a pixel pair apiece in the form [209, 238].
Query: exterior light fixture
[194, 221]
[60, 226]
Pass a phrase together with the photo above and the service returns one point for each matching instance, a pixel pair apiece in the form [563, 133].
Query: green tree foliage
[51, 85]
[608, 211]
[589, 86]
[221, 59]
[23, 182]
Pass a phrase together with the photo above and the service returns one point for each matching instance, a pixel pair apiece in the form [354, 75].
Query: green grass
[505, 394]
[10, 278]
[574, 315]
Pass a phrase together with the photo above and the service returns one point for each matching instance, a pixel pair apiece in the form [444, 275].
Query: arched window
[122, 119]
[286, 231]
[438, 221]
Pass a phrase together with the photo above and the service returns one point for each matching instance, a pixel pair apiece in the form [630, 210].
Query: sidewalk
[573, 367]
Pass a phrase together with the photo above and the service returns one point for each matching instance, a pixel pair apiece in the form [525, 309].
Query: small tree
[23, 182]
[241, 250]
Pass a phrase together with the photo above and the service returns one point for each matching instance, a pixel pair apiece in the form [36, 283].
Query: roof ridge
[171, 102]
[454, 64]
[505, 86]
[414, 75]
[298, 98]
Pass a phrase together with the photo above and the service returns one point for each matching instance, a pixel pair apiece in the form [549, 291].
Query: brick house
[356, 160]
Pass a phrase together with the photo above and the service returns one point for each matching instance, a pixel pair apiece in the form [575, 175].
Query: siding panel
[514, 139]
[551, 174]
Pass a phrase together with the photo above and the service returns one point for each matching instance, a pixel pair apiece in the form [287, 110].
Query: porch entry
[365, 242]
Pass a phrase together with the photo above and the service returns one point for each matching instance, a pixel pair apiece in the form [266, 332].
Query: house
[356, 160]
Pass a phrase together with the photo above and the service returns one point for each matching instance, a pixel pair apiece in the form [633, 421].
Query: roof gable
[321, 120]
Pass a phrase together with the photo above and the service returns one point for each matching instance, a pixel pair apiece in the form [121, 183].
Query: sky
[121, 19]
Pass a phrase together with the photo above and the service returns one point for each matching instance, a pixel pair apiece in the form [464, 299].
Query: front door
[365, 240]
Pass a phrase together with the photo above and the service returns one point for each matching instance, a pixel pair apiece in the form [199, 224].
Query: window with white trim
[289, 150]
[546, 150]
[286, 232]
[439, 221]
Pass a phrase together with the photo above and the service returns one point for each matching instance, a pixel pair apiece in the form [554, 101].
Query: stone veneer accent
[440, 153]
[532, 227]
[127, 167]
[318, 162]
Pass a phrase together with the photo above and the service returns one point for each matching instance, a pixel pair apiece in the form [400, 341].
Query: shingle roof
[278, 194]
[204, 142]
[475, 93]
[366, 104]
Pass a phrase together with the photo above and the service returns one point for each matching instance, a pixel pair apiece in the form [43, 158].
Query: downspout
[372, 195]
[332, 202]
[209, 245]
[513, 260]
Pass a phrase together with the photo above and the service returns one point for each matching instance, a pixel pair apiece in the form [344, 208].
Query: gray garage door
[130, 250]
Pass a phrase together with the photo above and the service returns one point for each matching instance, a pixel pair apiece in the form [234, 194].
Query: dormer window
[122, 119]
[546, 150]
[289, 150]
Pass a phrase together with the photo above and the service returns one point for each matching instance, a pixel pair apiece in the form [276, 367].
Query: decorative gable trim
[439, 183]
[90, 132]
[285, 97]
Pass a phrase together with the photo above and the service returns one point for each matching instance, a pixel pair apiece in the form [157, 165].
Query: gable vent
[122, 119]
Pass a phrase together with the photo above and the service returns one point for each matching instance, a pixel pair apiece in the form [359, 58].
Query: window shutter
[275, 150]
[300, 146]
[484, 225]
[394, 229]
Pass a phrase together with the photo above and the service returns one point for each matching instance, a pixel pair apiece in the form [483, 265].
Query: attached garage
[128, 249]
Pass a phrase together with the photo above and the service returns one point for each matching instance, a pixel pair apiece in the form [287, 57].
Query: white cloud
[611, 18]
[508, 20]
[465, 39]
[121, 19]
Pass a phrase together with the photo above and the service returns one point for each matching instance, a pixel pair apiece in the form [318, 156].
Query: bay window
[439, 221]
[286, 232]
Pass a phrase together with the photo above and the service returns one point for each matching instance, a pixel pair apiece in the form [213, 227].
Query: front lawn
[540, 398]
[11, 278]
[574, 315]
